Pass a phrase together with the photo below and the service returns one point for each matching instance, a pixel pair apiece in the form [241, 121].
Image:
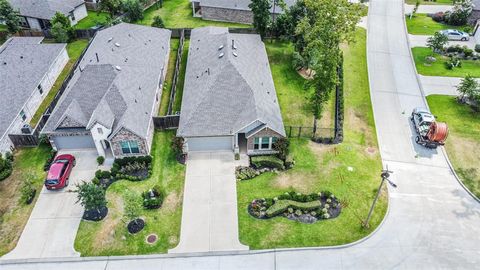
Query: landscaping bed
[440, 68]
[161, 217]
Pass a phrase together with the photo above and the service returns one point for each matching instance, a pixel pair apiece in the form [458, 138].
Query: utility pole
[385, 175]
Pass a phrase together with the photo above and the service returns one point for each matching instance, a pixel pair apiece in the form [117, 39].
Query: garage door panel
[74, 142]
[210, 143]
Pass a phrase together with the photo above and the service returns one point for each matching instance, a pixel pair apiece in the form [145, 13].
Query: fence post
[299, 132]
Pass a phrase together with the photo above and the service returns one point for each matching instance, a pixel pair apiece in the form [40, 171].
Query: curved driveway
[432, 222]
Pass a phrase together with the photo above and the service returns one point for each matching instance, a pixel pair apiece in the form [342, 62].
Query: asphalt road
[432, 221]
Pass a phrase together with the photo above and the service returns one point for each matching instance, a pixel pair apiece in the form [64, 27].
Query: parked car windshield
[51, 181]
[61, 161]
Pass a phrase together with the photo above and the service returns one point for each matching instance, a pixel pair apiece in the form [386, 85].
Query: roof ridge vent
[118, 68]
[117, 44]
[110, 39]
[235, 54]
[220, 47]
[221, 55]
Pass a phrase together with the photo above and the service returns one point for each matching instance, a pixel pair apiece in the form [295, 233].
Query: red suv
[59, 172]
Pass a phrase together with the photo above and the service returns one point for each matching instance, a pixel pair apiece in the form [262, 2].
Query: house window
[23, 22]
[40, 89]
[130, 147]
[100, 131]
[23, 115]
[72, 15]
[264, 143]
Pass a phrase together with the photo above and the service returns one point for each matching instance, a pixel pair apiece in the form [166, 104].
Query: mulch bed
[95, 215]
[136, 225]
[142, 174]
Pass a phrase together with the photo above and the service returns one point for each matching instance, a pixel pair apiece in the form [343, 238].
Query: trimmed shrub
[100, 160]
[477, 48]
[153, 198]
[27, 190]
[272, 162]
[282, 205]
[5, 168]
[245, 173]
[438, 17]
[468, 52]
[102, 174]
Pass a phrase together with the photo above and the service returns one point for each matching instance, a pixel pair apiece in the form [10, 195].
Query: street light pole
[385, 174]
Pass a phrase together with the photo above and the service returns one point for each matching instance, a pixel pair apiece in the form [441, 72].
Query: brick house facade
[126, 135]
[265, 133]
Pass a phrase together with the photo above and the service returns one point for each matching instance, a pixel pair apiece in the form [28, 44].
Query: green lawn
[74, 50]
[463, 143]
[110, 236]
[181, 78]
[438, 2]
[438, 68]
[93, 19]
[421, 24]
[323, 167]
[167, 86]
[13, 214]
[178, 14]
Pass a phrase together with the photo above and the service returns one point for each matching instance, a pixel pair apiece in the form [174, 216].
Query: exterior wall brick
[263, 133]
[125, 135]
[227, 15]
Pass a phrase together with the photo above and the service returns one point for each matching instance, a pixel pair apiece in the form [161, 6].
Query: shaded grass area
[322, 167]
[110, 236]
[178, 14]
[74, 50]
[181, 78]
[167, 86]
[438, 68]
[438, 2]
[14, 214]
[421, 24]
[94, 18]
[463, 144]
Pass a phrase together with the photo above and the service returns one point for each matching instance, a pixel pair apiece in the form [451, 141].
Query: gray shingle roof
[224, 94]
[238, 4]
[118, 90]
[23, 64]
[44, 9]
[476, 4]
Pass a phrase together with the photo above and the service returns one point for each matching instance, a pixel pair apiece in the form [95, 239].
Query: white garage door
[210, 143]
[74, 142]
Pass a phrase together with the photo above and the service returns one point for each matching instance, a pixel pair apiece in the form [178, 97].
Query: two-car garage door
[74, 142]
[210, 143]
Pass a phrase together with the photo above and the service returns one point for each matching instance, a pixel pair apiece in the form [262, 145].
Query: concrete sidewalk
[209, 216]
[52, 227]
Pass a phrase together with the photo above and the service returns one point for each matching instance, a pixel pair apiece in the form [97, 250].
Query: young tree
[59, 33]
[134, 10]
[261, 15]
[9, 16]
[437, 42]
[326, 24]
[158, 22]
[460, 12]
[468, 88]
[91, 196]
[62, 29]
[111, 6]
[133, 207]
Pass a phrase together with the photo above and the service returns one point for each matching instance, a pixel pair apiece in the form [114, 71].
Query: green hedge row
[267, 162]
[281, 206]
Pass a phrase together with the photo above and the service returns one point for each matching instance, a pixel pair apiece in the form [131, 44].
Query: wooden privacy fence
[178, 63]
[79, 33]
[166, 122]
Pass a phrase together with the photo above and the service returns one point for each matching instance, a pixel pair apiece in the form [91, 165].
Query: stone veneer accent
[263, 133]
[125, 135]
[227, 15]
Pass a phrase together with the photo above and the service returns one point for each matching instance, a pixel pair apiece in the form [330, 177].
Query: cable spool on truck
[430, 133]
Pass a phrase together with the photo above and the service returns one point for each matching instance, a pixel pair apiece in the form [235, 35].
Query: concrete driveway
[52, 226]
[209, 216]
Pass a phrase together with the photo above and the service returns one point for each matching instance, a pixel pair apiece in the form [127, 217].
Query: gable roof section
[117, 90]
[44, 9]
[223, 94]
[239, 4]
[23, 64]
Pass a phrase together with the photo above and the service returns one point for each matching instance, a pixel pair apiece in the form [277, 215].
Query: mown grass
[463, 143]
[110, 236]
[14, 214]
[438, 68]
[94, 18]
[178, 14]
[167, 85]
[421, 24]
[438, 2]
[181, 78]
[349, 170]
[74, 50]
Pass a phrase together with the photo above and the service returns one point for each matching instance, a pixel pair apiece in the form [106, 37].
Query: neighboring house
[36, 14]
[115, 91]
[475, 16]
[28, 70]
[229, 10]
[229, 99]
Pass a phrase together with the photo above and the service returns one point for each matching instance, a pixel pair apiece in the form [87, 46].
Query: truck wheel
[417, 139]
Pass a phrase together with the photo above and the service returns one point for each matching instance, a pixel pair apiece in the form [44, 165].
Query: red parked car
[59, 172]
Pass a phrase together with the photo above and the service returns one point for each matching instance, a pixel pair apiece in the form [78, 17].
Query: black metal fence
[178, 64]
[166, 122]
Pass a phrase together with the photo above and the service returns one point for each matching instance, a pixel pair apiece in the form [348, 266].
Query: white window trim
[270, 143]
[130, 147]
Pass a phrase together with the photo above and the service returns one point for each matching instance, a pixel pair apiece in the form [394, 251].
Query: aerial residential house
[229, 99]
[37, 14]
[109, 103]
[28, 69]
[229, 10]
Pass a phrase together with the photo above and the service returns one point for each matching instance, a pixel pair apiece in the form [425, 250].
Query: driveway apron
[209, 217]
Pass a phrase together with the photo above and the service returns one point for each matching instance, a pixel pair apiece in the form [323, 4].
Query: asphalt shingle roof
[44, 9]
[119, 89]
[227, 89]
[238, 4]
[23, 64]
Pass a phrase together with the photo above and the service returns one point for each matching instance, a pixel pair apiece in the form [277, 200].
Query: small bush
[272, 162]
[5, 168]
[282, 205]
[438, 17]
[102, 174]
[9, 156]
[49, 160]
[27, 190]
[153, 198]
[468, 52]
[245, 173]
[100, 160]
[96, 181]
[289, 162]
[455, 48]
[477, 48]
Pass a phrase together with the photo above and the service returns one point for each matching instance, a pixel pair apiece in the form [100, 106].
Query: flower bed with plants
[128, 168]
[305, 208]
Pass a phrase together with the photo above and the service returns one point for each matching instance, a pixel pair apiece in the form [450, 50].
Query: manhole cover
[152, 238]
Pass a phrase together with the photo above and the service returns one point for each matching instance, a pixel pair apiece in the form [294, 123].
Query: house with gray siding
[229, 10]
[229, 99]
[37, 14]
[28, 70]
[109, 103]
